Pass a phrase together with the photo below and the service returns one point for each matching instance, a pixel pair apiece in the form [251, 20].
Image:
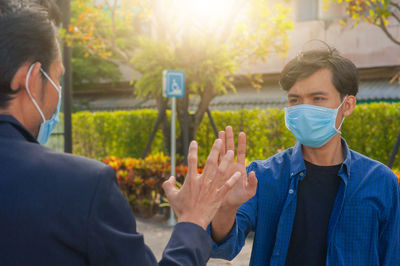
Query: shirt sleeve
[245, 222]
[389, 235]
[113, 239]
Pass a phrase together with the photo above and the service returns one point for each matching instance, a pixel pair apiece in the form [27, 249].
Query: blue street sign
[173, 83]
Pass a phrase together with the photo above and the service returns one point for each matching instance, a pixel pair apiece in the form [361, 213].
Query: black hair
[52, 8]
[344, 72]
[26, 35]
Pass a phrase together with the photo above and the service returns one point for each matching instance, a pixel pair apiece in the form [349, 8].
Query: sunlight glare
[205, 11]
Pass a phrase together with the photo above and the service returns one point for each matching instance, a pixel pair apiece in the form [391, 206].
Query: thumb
[169, 187]
[252, 184]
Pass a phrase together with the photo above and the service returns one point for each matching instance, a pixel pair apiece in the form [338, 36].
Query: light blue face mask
[47, 126]
[312, 125]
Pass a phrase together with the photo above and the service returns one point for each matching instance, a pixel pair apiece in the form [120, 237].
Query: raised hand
[247, 186]
[201, 195]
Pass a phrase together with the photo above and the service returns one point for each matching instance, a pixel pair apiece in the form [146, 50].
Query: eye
[293, 101]
[318, 99]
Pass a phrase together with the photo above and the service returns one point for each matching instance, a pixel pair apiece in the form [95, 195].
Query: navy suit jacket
[62, 209]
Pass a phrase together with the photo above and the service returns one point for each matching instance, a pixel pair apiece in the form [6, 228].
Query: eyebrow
[293, 95]
[318, 93]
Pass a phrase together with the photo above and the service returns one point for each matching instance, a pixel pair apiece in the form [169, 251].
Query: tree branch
[396, 17]
[395, 5]
[206, 98]
[123, 55]
[388, 34]
[160, 117]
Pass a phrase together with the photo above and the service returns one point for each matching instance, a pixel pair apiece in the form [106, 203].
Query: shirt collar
[16, 129]
[297, 160]
[347, 159]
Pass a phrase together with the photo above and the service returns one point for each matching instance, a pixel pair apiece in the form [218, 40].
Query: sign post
[173, 87]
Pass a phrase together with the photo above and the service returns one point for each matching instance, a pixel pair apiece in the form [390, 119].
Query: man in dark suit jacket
[61, 209]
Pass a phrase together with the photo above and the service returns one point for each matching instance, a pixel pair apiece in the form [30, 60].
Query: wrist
[222, 224]
[198, 221]
[225, 214]
[227, 208]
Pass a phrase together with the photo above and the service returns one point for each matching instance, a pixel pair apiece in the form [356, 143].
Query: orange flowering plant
[140, 180]
[397, 173]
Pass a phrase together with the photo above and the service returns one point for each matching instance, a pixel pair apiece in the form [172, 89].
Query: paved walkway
[157, 234]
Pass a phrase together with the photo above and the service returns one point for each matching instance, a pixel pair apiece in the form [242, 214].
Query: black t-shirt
[315, 197]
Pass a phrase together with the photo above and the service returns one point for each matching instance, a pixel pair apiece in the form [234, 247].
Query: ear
[349, 105]
[35, 79]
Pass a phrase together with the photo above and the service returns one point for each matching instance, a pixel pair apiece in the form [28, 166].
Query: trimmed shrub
[121, 133]
[371, 130]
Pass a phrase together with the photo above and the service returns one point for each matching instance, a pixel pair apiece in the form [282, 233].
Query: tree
[89, 66]
[380, 13]
[153, 35]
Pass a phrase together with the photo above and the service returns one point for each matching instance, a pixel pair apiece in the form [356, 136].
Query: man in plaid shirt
[317, 203]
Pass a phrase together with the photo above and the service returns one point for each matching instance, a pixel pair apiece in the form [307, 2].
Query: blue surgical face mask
[312, 125]
[47, 126]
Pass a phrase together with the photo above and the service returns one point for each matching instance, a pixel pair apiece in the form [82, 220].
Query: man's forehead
[311, 89]
[319, 82]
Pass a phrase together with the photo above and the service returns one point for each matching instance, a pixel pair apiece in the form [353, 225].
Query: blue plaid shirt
[364, 227]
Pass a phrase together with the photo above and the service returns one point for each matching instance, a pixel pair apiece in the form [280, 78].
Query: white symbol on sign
[175, 87]
[173, 83]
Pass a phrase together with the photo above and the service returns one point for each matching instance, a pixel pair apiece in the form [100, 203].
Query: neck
[21, 115]
[329, 154]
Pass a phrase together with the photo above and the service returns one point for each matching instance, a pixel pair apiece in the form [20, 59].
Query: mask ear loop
[51, 81]
[29, 92]
[338, 129]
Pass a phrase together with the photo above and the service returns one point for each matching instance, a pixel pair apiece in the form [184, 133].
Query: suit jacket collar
[12, 128]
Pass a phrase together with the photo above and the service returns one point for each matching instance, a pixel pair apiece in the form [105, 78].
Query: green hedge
[372, 130]
[121, 133]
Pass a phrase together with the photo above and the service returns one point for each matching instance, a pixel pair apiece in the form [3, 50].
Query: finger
[229, 184]
[230, 141]
[251, 187]
[192, 161]
[169, 187]
[227, 161]
[221, 135]
[223, 169]
[212, 161]
[241, 151]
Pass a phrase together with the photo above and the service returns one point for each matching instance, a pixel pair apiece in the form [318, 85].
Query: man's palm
[246, 187]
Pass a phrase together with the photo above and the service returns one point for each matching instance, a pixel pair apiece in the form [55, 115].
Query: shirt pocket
[358, 225]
